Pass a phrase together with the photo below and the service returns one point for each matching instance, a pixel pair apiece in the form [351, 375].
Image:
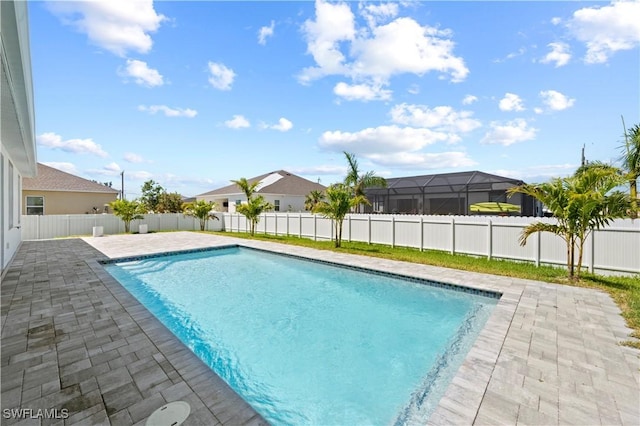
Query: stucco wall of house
[17, 141]
[10, 218]
[61, 202]
[292, 203]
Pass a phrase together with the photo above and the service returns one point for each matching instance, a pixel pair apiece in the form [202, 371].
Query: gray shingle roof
[50, 179]
[288, 184]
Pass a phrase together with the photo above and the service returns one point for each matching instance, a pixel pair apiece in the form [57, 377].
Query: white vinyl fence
[55, 226]
[615, 249]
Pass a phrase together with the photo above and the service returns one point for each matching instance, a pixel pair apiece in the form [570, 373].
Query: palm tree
[313, 198]
[248, 188]
[340, 199]
[631, 164]
[202, 210]
[358, 181]
[127, 211]
[253, 209]
[580, 203]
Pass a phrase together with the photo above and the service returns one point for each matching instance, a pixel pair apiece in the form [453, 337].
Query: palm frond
[540, 227]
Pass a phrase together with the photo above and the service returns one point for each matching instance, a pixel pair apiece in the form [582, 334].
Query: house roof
[50, 179]
[278, 182]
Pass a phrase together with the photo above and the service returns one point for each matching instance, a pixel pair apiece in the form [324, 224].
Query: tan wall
[61, 202]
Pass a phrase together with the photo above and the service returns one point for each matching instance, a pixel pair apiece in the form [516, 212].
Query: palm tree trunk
[633, 192]
[569, 241]
[580, 253]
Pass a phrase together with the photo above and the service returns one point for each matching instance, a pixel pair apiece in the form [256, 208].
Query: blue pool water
[308, 343]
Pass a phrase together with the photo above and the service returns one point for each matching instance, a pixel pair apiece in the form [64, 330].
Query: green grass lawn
[624, 290]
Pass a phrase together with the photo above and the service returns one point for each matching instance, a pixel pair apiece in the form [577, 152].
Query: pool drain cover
[172, 414]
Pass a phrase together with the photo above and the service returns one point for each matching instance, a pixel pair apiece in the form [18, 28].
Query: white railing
[615, 249]
[56, 226]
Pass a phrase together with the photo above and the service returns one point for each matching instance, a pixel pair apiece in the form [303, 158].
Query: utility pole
[122, 197]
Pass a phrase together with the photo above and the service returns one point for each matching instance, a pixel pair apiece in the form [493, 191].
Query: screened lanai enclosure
[448, 194]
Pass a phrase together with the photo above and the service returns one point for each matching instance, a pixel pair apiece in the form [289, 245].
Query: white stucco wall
[17, 140]
[10, 220]
[293, 203]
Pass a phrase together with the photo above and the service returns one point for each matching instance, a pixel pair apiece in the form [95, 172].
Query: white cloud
[423, 161]
[441, 118]
[511, 55]
[383, 139]
[142, 74]
[140, 175]
[414, 89]
[361, 92]
[237, 122]
[283, 125]
[378, 13]
[469, 99]
[606, 30]
[319, 170]
[169, 112]
[539, 173]
[221, 77]
[131, 157]
[334, 24]
[556, 101]
[265, 32]
[118, 26]
[65, 167]
[511, 102]
[509, 133]
[112, 167]
[559, 54]
[76, 146]
[556, 20]
[376, 52]
[403, 46]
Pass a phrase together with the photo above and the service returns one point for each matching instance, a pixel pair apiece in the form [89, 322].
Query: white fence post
[538, 247]
[331, 230]
[489, 239]
[349, 224]
[369, 227]
[453, 235]
[299, 225]
[592, 255]
[315, 228]
[421, 233]
[393, 231]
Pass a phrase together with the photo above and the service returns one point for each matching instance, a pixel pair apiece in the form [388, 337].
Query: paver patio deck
[74, 339]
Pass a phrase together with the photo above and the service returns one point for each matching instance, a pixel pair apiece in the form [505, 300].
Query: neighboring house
[53, 191]
[447, 193]
[18, 145]
[284, 190]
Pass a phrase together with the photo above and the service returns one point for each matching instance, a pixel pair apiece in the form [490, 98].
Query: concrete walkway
[74, 341]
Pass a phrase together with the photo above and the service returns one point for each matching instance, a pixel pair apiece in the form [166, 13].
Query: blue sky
[193, 94]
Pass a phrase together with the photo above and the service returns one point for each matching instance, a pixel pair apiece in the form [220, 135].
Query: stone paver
[73, 338]
[74, 341]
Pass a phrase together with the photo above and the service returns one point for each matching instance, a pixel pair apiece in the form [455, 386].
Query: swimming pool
[304, 342]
